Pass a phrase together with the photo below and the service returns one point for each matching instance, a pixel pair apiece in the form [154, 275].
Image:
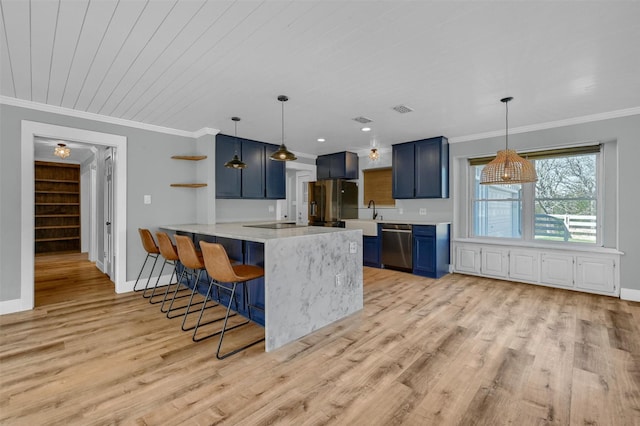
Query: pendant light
[508, 167]
[235, 163]
[374, 155]
[62, 151]
[283, 154]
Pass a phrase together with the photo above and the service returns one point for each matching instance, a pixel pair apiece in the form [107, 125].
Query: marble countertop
[240, 231]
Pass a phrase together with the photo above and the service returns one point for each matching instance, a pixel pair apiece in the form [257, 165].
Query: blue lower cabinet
[254, 255]
[431, 250]
[371, 251]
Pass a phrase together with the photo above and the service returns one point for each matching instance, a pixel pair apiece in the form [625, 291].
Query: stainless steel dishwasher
[397, 246]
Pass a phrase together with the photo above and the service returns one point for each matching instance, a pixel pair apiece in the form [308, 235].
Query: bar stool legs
[152, 252]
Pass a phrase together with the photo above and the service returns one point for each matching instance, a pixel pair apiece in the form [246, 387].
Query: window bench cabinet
[592, 270]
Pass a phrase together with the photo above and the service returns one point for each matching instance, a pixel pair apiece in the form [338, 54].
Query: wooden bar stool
[152, 251]
[221, 271]
[193, 264]
[170, 254]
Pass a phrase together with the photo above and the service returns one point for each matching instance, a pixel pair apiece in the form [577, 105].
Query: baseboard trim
[12, 306]
[164, 280]
[630, 294]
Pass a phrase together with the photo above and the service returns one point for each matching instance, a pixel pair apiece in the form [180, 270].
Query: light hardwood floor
[459, 350]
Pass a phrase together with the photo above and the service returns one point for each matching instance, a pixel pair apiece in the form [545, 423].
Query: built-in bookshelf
[57, 207]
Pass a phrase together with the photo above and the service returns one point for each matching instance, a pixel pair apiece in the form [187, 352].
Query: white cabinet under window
[468, 259]
[557, 269]
[523, 265]
[595, 274]
[590, 271]
[495, 262]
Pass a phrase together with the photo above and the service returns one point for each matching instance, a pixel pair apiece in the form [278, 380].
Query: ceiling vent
[363, 120]
[402, 109]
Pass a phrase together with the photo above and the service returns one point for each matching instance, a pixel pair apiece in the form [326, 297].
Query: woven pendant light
[236, 162]
[508, 167]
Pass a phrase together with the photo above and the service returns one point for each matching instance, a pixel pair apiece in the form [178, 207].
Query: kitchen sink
[369, 227]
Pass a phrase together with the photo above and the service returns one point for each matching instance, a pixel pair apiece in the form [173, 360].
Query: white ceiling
[190, 64]
[43, 150]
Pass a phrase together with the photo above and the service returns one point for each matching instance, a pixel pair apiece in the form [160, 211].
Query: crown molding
[551, 125]
[104, 118]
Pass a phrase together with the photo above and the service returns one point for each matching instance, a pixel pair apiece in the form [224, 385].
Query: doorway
[30, 130]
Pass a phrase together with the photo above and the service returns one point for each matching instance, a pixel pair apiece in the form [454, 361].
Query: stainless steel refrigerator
[331, 201]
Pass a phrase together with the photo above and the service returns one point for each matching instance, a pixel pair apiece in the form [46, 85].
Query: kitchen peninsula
[313, 275]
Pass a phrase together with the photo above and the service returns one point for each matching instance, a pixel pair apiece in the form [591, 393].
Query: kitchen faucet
[375, 214]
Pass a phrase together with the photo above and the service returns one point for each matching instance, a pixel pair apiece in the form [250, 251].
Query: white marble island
[312, 278]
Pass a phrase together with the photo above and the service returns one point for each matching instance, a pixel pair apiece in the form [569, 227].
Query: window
[561, 206]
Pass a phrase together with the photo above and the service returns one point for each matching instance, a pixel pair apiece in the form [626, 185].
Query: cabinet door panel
[255, 256]
[468, 259]
[323, 167]
[595, 274]
[424, 255]
[275, 181]
[371, 251]
[523, 265]
[556, 269]
[403, 166]
[495, 262]
[427, 169]
[228, 181]
[253, 175]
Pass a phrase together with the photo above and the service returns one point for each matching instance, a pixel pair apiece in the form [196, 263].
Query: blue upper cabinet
[275, 181]
[341, 165]
[253, 175]
[421, 169]
[228, 181]
[262, 178]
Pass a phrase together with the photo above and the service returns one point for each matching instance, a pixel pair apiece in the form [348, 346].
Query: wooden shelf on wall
[189, 157]
[188, 185]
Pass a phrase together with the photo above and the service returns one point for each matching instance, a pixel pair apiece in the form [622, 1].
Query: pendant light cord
[506, 120]
[282, 122]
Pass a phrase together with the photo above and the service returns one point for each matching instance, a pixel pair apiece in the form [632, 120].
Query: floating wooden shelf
[189, 157]
[56, 180]
[42, 240]
[188, 185]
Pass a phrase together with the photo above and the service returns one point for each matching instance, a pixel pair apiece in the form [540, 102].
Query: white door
[302, 197]
[108, 212]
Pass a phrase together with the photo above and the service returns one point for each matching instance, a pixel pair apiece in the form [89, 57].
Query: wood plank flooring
[456, 351]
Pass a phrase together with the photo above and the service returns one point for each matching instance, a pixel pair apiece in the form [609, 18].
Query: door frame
[30, 129]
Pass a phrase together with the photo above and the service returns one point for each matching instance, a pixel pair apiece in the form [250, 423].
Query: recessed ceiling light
[366, 129]
[321, 140]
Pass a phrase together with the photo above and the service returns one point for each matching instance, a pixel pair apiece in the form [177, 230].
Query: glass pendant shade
[62, 151]
[283, 154]
[508, 167]
[235, 162]
[374, 155]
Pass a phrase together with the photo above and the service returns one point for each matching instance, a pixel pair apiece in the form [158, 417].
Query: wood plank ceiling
[189, 64]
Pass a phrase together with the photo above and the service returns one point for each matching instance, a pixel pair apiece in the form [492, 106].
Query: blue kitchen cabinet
[340, 165]
[420, 169]
[431, 250]
[275, 175]
[262, 179]
[402, 170]
[371, 251]
[253, 176]
[228, 181]
[254, 255]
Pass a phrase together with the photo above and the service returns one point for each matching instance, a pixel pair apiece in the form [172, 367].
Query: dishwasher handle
[401, 231]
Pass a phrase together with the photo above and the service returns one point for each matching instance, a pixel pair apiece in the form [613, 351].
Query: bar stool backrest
[217, 263]
[167, 249]
[187, 253]
[147, 241]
